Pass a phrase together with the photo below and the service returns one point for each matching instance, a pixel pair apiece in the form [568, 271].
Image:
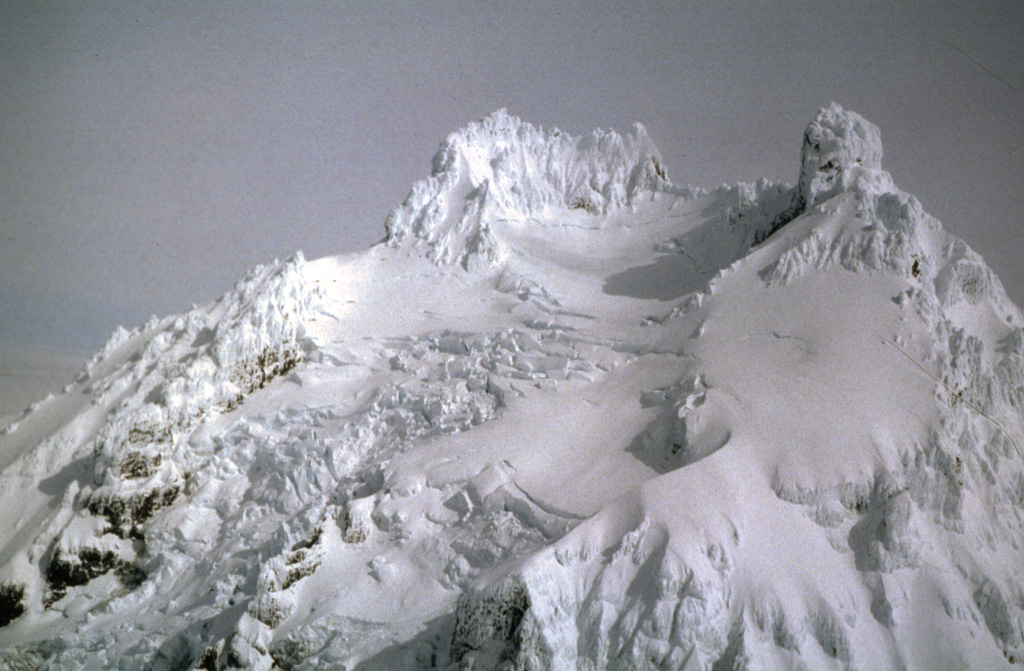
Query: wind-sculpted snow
[755, 211]
[503, 169]
[606, 423]
[838, 147]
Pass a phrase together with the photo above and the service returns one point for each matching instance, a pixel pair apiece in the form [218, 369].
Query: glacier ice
[486, 444]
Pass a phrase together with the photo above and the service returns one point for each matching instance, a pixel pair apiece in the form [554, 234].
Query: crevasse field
[566, 415]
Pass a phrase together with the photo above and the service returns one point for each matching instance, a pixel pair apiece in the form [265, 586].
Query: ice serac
[501, 168]
[181, 372]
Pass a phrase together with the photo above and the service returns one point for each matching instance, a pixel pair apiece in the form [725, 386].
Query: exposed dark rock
[12, 604]
[256, 371]
[135, 465]
[126, 515]
[492, 618]
[144, 433]
[65, 571]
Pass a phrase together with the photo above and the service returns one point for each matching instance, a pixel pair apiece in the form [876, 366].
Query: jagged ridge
[195, 365]
[303, 489]
[501, 168]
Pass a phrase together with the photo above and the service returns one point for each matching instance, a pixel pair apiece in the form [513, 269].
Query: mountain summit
[566, 415]
[502, 169]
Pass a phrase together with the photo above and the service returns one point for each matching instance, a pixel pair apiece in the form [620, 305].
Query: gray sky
[151, 152]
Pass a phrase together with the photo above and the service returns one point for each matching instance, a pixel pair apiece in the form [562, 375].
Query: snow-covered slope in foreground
[567, 416]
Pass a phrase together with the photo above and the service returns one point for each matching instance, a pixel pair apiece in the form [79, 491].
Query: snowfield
[566, 416]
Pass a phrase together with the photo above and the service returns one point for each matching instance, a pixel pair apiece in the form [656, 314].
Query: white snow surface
[501, 169]
[566, 416]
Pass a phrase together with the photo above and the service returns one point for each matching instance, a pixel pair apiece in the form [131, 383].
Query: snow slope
[566, 416]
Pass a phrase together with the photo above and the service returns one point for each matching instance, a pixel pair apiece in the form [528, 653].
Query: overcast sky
[151, 152]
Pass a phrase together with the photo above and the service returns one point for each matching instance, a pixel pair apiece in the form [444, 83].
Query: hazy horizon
[152, 155]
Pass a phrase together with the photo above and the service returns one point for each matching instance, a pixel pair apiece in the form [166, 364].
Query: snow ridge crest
[503, 169]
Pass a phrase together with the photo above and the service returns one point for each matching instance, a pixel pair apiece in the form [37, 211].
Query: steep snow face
[761, 427]
[501, 168]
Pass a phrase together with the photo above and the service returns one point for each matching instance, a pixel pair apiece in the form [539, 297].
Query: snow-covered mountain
[566, 416]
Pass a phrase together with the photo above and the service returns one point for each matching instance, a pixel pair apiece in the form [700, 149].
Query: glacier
[566, 415]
